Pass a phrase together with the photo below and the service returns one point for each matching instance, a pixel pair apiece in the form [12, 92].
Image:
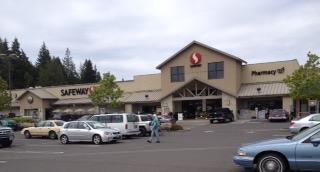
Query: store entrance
[191, 108]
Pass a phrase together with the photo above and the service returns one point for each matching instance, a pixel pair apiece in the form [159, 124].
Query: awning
[73, 101]
[263, 89]
[79, 111]
[57, 111]
[92, 111]
[68, 111]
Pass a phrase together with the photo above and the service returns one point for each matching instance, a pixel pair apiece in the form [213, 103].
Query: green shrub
[20, 120]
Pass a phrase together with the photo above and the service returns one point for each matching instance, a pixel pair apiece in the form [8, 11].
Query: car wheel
[64, 139]
[211, 121]
[271, 163]
[96, 139]
[27, 134]
[52, 135]
[143, 131]
[302, 129]
[7, 144]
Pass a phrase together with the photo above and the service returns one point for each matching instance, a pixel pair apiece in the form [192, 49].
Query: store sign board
[268, 72]
[76, 91]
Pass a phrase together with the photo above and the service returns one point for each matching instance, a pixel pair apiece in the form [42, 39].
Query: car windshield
[305, 133]
[96, 125]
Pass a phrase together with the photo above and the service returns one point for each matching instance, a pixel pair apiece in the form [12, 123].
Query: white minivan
[125, 122]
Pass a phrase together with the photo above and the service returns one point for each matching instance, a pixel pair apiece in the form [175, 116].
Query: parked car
[10, 123]
[6, 136]
[278, 114]
[304, 123]
[164, 119]
[144, 124]
[126, 123]
[50, 128]
[221, 115]
[88, 131]
[299, 152]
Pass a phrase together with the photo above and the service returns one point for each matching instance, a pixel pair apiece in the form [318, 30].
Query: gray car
[88, 131]
[304, 123]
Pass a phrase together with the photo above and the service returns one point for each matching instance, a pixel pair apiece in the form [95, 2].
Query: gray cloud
[132, 37]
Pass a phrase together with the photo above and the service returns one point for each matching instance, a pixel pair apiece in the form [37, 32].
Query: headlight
[107, 133]
[242, 153]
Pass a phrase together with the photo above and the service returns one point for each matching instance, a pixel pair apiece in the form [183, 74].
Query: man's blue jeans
[155, 133]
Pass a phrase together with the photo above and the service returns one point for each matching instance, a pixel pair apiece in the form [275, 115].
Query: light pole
[8, 58]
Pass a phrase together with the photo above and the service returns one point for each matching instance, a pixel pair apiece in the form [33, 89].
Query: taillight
[126, 126]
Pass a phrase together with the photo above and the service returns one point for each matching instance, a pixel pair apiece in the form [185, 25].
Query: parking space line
[31, 152]
[3, 162]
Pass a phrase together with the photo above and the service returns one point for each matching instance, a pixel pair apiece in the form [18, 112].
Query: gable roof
[202, 45]
[42, 94]
[197, 79]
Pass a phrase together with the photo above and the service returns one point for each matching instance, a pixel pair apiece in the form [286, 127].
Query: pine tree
[52, 74]
[70, 69]
[4, 49]
[87, 73]
[15, 47]
[43, 57]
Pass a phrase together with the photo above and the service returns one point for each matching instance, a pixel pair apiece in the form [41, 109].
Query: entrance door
[191, 108]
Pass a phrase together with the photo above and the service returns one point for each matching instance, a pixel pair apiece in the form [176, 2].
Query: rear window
[146, 118]
[59, 123]
[132, 118]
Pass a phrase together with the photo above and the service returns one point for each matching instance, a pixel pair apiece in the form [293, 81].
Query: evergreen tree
[15, 47]
[52, 74]
[5, 98]
[87, 73]
[72, 76]
[43, 57]
[4, 49]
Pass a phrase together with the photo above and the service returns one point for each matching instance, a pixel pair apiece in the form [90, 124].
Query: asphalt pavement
[203, 147]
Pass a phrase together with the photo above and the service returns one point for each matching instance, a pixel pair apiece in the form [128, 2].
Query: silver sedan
[304, 123]
[88, 131]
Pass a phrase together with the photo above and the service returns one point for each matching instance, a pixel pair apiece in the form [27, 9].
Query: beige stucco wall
[287, 103]
[36, 104]
[167, 105]
[230, 83]
[142, 82]
[246, 77]
[128, 108]
[230, 102]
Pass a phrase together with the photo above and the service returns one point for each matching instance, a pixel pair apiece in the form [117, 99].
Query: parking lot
[202, 147]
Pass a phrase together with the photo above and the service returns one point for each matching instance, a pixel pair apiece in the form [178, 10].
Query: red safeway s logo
[195, 58]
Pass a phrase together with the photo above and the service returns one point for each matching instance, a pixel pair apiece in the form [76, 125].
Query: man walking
[155, 127]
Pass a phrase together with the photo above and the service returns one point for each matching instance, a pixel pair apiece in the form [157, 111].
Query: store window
[216, 70]
[177, 74]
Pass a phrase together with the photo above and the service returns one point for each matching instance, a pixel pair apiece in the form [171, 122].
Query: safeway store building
[196, 79]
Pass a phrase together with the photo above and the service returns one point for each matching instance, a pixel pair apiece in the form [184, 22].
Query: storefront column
[287, 103]
[128, 108]
[167, 105]
[204, 105]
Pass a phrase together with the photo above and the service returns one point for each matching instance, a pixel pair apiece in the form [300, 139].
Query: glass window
[315, 118]
[116, 118]
[96, 125]
[108, 119]
[216, 70]
[146, 118]
[59, 123]
[132, 118]
[82, 125]
[316, 136]
[94, 118]
[73, 125]
[41, 124]
[177, 74]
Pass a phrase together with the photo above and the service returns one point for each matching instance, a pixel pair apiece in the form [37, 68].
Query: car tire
[271, 163]
[27, 134]
[96, 139]
[143, 132]
[64, 139]
[211, 121]
[7, 144]
[52, 135]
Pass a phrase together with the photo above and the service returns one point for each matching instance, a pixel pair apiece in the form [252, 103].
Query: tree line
[48, 70]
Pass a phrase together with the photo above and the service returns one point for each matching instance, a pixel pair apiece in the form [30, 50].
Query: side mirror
[315, 141]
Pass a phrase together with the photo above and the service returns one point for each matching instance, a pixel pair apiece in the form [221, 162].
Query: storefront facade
[197, 79]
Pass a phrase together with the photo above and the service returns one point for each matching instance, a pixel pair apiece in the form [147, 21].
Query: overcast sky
[131, 37]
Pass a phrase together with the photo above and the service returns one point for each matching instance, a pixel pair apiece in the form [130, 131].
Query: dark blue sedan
[299, 152]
